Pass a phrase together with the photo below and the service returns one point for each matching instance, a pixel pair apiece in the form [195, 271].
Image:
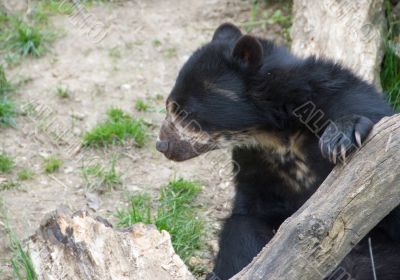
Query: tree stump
[78, 246]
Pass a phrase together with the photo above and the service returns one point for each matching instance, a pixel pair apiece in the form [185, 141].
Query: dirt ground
[141, 46]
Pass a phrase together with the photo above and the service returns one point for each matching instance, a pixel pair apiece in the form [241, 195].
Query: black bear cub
[289, 120]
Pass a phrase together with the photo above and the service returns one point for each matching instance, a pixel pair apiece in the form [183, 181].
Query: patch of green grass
[7, 112]
[101, 178]
[141, 105]
[25, 174]
[138, 42]
[254, 10]
[279, 18]
[55, 7]
[170, 52]
[129, 45]
[7, 107]
[139, 211]
[156, 43]
[390, 72]
[115, 53]
[5, 86]
[177, 216]
[12, 59]
[21, 261]
[41, 10]
[24, 36]
[27, 39]
[390, 77]
[62, 91]
[8, 185]
[6, 163]
[117, 128]
[51, 164]
[260, 16]
[159, 97]
[87, 51]
[39, 15]
[176, 213]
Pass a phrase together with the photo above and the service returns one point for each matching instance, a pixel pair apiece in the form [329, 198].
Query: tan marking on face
[190, 131]
[224, 92]
[170, 107]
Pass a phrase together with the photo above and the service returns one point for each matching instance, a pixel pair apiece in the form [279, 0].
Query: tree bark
[351, 201]
[346, 31]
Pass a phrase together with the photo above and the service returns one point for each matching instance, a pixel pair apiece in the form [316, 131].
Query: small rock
[44, 182]
[76, 131]
[93, 201]
[196, 261]
[224, 185]
[126, 87]
[133, 188]
[78, 116]
[44, 154]
[68, 170]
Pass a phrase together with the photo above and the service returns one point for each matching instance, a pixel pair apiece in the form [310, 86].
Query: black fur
[258, 86]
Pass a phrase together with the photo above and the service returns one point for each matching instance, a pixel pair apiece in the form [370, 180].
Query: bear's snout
[171, 144]
[162, 146]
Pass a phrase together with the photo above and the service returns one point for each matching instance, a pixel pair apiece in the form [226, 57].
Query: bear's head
[210, 104]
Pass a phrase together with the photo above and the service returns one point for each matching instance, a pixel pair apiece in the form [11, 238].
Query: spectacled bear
[289, 121]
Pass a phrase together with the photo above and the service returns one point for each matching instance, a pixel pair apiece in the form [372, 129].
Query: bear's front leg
[343, 136]
[242, 238]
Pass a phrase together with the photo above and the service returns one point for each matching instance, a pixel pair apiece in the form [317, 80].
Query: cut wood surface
[350, 202]
[78, 246]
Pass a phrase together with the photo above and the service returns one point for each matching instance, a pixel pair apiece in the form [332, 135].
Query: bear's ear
[249, 51]
[226, 32]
